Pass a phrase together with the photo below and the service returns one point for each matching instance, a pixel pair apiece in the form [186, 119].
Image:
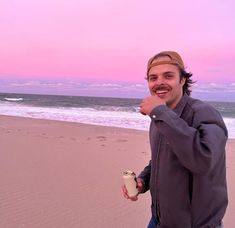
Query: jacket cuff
[144, 185]
[158, 111]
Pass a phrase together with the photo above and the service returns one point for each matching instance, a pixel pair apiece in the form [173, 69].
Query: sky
[101, 47]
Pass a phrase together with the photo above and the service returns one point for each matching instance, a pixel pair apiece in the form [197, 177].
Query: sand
[59, 174]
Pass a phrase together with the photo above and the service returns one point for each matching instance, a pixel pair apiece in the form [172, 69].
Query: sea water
[106, 111]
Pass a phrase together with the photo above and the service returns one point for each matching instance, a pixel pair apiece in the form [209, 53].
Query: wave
[116, 108]
[106, 116]
[13, 99]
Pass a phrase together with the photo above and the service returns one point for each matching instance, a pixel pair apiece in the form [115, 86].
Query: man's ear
[182, 81]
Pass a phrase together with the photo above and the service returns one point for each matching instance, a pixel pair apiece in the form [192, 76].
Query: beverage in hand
[129, 178]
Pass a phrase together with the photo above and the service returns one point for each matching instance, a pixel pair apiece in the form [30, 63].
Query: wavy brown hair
[188, 81]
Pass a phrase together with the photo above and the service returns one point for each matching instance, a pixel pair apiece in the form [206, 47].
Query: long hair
[188, 81]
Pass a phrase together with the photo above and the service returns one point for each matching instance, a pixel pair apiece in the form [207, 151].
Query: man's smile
[161, 92]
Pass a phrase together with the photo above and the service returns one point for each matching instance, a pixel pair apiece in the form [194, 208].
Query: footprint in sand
[101, 138]
[121, 140]
[42, 135]
[144, 152]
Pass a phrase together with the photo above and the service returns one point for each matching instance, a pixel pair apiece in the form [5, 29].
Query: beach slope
[63, 174]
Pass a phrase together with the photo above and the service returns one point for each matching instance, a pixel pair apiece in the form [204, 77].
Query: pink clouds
[112, 40]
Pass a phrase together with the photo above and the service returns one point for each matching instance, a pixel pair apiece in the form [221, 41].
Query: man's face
[164, 81]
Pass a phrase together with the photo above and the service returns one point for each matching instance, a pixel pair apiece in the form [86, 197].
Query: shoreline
[89, 124]
[73, 122]
[68, 174]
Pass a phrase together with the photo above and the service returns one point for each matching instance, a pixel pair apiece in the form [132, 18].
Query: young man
[187, 173]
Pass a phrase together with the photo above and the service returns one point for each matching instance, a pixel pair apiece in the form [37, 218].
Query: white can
[129, 178]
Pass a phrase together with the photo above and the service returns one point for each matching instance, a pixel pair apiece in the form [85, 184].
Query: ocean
[106, 111]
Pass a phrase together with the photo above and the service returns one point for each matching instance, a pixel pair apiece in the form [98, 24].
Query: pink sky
[111, 40]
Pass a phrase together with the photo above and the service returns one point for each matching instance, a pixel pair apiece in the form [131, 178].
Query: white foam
[13, 99]
[230, 124]
[133, 120]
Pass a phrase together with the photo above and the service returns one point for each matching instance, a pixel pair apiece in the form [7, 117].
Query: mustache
[161, 87]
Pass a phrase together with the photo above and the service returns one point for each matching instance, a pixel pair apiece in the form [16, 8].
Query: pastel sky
[101, 47]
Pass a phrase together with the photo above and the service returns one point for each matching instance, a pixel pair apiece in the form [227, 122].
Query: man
[187, 173]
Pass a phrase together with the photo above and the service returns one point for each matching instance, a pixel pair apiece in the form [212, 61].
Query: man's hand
[139, 185]
[149, 103]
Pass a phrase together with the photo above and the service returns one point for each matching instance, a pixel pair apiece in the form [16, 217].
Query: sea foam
[123, 119]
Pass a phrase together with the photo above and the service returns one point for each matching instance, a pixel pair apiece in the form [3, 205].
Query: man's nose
[160, 81]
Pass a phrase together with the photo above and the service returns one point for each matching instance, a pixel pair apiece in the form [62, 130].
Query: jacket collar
[180, 106]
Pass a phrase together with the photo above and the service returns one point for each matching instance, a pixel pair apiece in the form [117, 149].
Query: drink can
[129, 178]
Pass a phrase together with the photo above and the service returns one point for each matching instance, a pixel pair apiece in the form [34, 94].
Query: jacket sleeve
[197, 147]
[145, 177]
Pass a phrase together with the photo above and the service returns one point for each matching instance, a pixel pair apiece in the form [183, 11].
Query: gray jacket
[187, 172]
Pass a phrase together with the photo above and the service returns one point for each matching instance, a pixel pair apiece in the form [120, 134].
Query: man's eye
[168, 76]
[152, 79]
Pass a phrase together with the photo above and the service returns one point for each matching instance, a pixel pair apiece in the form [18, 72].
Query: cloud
[37, 85]
[138, 85]
[105, 85]
[23, 84]
[214, 87]
[136, 90]
[215, 91]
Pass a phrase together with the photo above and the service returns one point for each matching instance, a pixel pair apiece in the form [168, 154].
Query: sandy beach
[60, 174]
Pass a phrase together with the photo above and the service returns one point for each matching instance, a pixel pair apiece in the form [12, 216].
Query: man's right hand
[140, 187]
